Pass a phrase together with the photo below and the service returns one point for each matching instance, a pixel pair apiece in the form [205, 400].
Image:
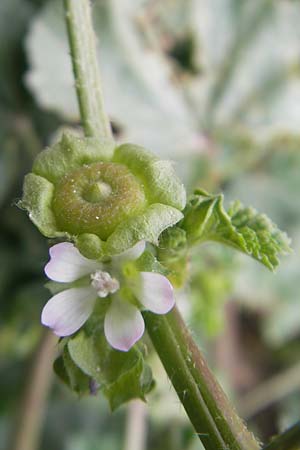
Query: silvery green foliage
[243, 78]
[141, 96]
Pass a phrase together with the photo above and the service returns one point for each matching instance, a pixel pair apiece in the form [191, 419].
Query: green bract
[104, 198]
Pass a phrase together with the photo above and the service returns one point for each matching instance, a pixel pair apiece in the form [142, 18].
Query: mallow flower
[127, 290]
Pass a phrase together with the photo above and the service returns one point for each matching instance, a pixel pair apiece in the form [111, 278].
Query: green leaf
[122, 376]
[70, 374]
[242, 228]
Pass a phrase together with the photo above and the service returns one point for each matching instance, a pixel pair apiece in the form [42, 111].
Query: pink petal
[123, 325]
[67, 311]
[155, 292]
[132, 253]
[67, 264]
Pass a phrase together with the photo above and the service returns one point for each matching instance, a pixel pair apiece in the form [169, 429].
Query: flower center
[104, 283]
[97, 192]
[97, 198]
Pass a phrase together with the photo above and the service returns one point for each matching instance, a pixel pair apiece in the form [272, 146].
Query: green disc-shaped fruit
[97, 198]
[104, 198]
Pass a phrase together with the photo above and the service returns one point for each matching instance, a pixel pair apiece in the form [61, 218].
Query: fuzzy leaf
[242, 228]
[122, 376]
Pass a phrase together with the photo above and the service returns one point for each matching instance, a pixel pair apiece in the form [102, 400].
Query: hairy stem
[289, 440]
[85, 67]
[214, 419]
[26, 431]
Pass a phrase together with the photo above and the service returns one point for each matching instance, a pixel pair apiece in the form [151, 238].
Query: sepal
[159, 177]
[69, 154]
[144, 227]
[122, 376]
[37, 201]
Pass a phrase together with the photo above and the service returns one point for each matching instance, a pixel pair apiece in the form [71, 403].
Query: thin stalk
[85, 67]
[214, 419]
[289, 440]
[136, 426]
[27, 429]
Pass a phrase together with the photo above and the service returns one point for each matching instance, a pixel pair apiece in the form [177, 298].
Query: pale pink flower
[67, 311]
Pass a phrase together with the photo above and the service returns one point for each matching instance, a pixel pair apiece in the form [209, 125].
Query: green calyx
[103, 198]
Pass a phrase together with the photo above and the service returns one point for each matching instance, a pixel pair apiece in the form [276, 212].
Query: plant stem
[289, 440]
[26, 431]
[214, 419]
[85, 67]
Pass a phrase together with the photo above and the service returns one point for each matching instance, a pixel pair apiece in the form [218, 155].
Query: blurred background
[213, 85]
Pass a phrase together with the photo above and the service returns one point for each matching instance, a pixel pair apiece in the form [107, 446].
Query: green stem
[85, 67]
[289, 440]
[215, 421]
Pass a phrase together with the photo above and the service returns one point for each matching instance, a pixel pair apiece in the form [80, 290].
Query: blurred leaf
[141, 95]
[277, 297]
[249, 22]
[211, 283]
[241, 228]
[273, 183]
[246, 77]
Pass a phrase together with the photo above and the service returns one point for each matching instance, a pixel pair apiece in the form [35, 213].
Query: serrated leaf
[241, 227]
[122, 376]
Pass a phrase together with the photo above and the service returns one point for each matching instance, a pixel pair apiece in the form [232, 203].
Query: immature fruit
[104, 198]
